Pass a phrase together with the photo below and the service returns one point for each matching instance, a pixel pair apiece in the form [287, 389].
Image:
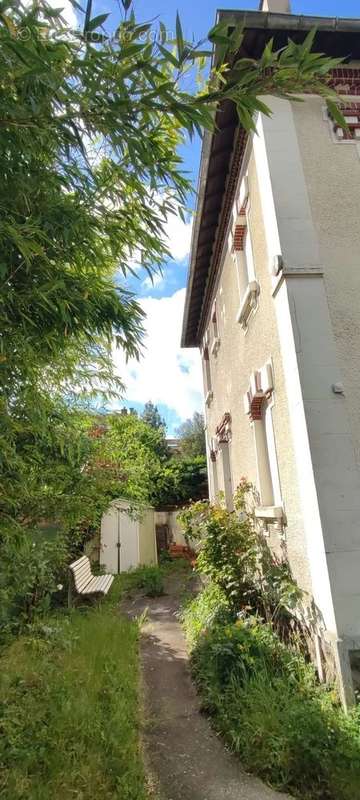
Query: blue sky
[167, 375]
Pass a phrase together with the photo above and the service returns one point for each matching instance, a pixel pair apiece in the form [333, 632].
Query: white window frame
[260, 400]
[248, 286]
[213, 474]
[224, 450]
[205, 359]
[215, 331]
[266, 458]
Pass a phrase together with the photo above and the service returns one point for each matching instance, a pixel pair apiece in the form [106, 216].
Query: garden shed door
[119, 549]
[129, 541]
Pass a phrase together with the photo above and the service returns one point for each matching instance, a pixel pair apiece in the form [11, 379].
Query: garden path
[186, 760]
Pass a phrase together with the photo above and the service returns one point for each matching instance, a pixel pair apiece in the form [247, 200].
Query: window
[223, 439]
[258, 405]
[268, 478]
[244, 259]
[245, 263]
[226, 475]
[351, 113]
[215, 332]
[207, 374]
[213, 475]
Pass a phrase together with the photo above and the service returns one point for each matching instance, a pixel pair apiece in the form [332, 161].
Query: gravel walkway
[185, 757]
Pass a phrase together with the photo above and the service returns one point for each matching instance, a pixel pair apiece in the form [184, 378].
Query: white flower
[60, 586]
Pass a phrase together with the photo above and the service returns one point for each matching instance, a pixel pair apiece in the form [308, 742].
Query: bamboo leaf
[179, 37]
[336, 114]
[163, 36]
[96, 22]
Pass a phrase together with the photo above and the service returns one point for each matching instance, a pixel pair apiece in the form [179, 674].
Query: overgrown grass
[151, 579]
[148, 578]
[265, 700]
[69, 708]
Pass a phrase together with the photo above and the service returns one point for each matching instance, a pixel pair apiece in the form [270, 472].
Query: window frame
[259, 402]
[248, 286]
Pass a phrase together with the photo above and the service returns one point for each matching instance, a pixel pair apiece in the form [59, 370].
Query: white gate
[119, 541]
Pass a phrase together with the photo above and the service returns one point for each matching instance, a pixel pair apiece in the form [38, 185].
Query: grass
[69, 708]
[148, 578]
[151, 579]
[264, 699]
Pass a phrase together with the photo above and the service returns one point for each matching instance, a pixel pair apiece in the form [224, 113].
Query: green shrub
[265, 700]
[201, 612]
[234, 555]
[150, 579]
[32, 573]
[227, 552]
[234, 650]
[292, 735]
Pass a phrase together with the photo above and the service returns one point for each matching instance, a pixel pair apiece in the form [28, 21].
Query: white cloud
[179, 236]
[177, 239]
[154, 281]
[165, 373]
[68, 12]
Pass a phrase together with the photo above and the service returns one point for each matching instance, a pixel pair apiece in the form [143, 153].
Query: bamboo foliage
[91, 122]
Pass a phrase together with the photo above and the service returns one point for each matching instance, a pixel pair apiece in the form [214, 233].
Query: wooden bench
[85, 583]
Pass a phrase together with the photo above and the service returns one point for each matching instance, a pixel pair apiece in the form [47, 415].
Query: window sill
[215, 347]
[269, 513]
[271, 516]
[208, 398]
[248, 303]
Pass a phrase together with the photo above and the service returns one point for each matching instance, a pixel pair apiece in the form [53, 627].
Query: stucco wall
[239, 354]
[332, 174]
[170, 518]
[147, 540]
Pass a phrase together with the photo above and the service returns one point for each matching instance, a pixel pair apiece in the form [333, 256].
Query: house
[273, 303]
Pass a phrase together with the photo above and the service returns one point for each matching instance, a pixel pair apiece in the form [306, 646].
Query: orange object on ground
[181, 551]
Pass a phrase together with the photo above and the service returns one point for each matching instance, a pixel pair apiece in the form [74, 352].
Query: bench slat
[84, 572]
[78, 562]
[108, 579]
[81, 572]
[85, 582]
[80, 586]
[99, 584]
[95, 585]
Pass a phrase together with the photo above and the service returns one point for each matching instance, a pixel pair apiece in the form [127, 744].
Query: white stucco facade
[298, 437]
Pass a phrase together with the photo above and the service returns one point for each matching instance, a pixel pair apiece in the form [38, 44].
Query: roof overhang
[222, 150]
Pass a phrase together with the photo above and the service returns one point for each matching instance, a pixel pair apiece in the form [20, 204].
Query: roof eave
[204, 163]
[265, 22]
[292, 22]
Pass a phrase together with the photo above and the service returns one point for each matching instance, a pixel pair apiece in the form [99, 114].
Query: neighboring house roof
[173, 444]
[222, 151]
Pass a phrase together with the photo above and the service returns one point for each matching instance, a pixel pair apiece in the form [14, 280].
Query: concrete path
[185, 757]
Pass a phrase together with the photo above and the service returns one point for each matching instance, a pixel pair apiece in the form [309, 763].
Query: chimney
[278, 6]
